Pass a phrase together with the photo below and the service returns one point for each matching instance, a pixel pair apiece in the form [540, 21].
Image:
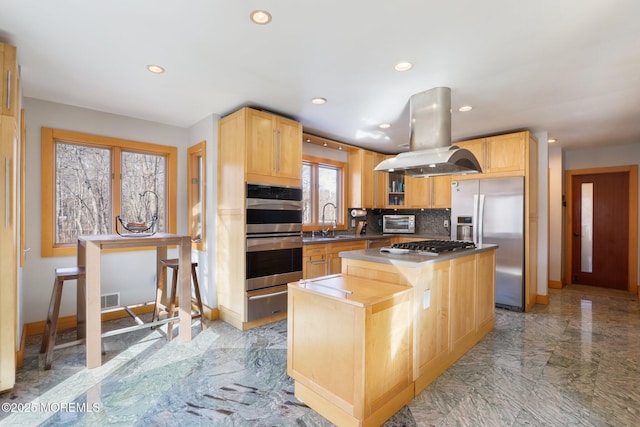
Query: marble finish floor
[574, 362]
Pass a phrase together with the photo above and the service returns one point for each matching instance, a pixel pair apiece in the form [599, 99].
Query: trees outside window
[88, 180]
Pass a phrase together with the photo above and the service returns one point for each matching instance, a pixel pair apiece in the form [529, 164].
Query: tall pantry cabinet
[9, 247]
[260, 148]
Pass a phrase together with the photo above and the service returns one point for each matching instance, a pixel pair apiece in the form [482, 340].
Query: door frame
[632, 284]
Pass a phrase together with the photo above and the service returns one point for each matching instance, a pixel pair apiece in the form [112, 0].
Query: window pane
[328, 193]
[306, 194]
[143, 178]
[83, 191]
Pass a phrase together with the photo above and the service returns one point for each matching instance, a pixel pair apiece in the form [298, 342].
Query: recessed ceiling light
[465, 108]
[403, 66]
[308, 140]
[260, 17]
[318, 101]
[324, 144]
[156, 69]
[385, 125]
[551, 140]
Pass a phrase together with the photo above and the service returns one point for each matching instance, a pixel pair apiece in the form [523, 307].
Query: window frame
[341, 167]
[49, 138]
[197, 185]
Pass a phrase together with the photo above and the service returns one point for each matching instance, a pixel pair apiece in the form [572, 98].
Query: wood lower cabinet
[453, 306]
[321, 259]
[349, 348]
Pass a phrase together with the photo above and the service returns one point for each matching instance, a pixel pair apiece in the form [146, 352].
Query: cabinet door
[361, 179]
[288, 149]
[260, 143]
[418, 192]
[463, 299]
[314, 266]
[380, 183]
[433, 317]
[9, 89]
[505, 153]
[440, 192]
[486, 269]
[477, 147]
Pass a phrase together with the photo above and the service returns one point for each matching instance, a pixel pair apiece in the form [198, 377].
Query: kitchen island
[448, 305]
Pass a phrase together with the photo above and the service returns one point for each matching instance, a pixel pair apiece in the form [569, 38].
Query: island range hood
[430, 150]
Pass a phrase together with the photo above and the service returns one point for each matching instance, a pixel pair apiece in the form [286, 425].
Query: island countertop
[412, 260]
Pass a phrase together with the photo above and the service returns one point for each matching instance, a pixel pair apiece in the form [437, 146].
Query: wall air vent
[108, 301]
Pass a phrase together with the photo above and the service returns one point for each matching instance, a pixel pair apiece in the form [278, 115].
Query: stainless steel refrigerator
[492, 211]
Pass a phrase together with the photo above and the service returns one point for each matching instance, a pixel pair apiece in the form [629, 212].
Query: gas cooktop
[428, 247]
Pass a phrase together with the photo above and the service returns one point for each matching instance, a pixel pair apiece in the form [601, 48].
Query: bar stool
[51, 327]
[172, 310]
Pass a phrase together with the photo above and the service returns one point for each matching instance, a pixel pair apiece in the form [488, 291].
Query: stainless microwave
[399, 224]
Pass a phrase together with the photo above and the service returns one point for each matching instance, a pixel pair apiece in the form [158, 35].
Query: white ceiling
[570, 68]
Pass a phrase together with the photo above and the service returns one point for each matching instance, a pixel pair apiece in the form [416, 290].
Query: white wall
[131, 273]
[620, 155]
[207, 130]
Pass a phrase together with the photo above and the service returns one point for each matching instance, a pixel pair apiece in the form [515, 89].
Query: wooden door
[600, 230]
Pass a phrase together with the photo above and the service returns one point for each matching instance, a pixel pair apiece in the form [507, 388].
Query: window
[322, 185]
[88, 180]
[196, 194]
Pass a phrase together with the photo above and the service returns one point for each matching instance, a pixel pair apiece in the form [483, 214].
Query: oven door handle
[268, 295]
[284, 205]
[273, 243]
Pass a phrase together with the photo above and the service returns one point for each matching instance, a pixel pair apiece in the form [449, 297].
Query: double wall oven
[273, 249]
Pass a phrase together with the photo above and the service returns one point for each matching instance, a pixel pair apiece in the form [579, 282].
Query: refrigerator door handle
[474, 219]
[480, 219]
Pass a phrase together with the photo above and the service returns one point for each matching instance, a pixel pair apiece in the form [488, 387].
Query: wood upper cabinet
[367, 188]
[9, 91]
[498, 154]
[433, 192]
[274, 147]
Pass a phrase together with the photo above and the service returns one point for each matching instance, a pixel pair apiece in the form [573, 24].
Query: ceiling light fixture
[260, 17]
[465, 108]
[403, 66]
[156, 69]
[385, 125]
[318, 101]
[551, 140]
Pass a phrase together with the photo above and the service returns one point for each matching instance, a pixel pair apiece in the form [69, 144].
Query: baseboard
[20, 352]
[542, 299]
[68, 322]
[555, 284]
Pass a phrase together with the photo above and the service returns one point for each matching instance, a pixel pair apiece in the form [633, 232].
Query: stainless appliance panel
[261, 304]
[498, 218]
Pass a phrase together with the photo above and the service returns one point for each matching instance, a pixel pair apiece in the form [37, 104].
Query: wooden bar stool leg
[172, 302]
[159, 296]
[47, 326]
[51, 331]
[196, 286]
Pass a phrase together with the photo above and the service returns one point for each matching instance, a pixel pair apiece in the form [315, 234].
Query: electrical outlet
[353, 222]
[426, 299]
[446, 223]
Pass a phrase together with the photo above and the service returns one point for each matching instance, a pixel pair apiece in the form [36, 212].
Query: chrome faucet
[335, 211]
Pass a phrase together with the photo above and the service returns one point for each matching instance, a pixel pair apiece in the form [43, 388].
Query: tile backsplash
[428, 221]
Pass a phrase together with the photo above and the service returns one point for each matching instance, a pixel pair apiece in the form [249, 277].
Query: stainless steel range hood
[430, 150]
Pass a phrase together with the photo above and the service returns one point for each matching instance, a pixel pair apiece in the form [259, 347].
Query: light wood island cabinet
[349, 348]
